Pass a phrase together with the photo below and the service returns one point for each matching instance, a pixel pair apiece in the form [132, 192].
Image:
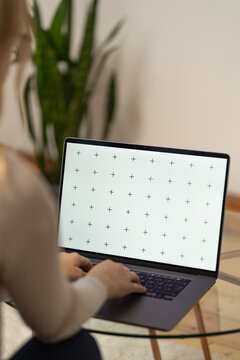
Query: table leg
[201, 328]
[154, 345]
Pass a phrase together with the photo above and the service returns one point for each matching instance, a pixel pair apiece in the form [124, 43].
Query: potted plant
[64, 86]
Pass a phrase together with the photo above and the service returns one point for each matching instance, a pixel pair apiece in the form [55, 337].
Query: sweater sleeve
[29, 267]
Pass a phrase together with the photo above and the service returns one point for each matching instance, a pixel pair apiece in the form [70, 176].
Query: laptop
[159, 211]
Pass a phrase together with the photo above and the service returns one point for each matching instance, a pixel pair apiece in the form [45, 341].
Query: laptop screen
[147, 203]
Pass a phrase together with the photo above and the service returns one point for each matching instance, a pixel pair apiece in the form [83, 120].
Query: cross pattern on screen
[156, 206]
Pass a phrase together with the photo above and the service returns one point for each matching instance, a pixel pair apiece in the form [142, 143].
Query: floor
[112, 347]
[227, 345]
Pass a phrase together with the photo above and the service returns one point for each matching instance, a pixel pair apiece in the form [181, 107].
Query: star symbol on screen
[73, 204]
[78, 152]
[191, 165]
[111, 191]
[207, 204]
[203, 241]
[108, 226]
[187, 201]
[211, 167]
[126, 229]
[143, 250]
[189, 183]
[93, 189]
[109, 209]
[166, 217]
[147, 214]
[71, 221]
[148, 196]
[131, 176]
[182, 256]
[77, 170]
[162, 252]
[130, 194]
[171, 163]
[209, 186]
[185, 219]
[202, 258]
[124, 247]
[150, 178]
[88, 241]
[113, 174]
[89, 224]
[205, 222]
[96, 154]
[75, 187]
[106, 244]
[91, 207]
[152, 161]
[184, 237]
[70, 238]
[115, 156]
[169, 181]
[128, 212]
[95, 172]
[168, 199]
[164, 234]
[133, 158]
[145, 232]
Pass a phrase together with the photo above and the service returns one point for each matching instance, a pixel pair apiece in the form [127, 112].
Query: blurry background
[178, 67]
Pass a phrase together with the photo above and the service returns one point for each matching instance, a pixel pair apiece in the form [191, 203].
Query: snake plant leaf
[86, 48]
[59, 30]
[27, 107]
[37, 17]
[83, 68]
[69, 6]
[99, 68]
[92, 86]
[113, 33]
[110, 105]
[49, 83]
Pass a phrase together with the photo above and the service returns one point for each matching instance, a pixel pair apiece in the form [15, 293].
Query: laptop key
[162, 286]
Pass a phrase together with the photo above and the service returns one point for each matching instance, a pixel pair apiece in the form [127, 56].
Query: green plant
[64, 86]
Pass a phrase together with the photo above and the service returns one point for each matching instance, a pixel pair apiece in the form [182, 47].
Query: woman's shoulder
[22, 183]
[12, 160]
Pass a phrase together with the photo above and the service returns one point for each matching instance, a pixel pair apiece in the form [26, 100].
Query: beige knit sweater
[29, 267]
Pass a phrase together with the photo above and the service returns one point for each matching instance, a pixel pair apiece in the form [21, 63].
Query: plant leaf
[110, 105]
[37, 17]
[113, 32]
[69, 24]
[59, 31]
[100, 67]
[82, 70]
[49, 84]
[27, 91]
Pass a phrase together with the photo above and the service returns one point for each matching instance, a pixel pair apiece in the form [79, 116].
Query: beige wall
[179, 75]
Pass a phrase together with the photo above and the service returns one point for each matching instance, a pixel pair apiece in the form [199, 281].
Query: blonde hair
[15, 34]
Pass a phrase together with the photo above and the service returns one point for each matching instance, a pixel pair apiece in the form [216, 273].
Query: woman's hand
[74, 265]
[118, 279]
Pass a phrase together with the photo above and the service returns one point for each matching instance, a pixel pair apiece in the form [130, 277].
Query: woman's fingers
[134, 277]
[81, 261]
[118, 279]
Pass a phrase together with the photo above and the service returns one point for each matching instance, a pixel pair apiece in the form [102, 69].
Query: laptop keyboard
[161, 286]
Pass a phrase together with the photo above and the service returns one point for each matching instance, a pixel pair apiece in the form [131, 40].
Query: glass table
[217, 313]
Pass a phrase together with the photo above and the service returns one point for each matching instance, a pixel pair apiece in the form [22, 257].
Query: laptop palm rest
[159, 314]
